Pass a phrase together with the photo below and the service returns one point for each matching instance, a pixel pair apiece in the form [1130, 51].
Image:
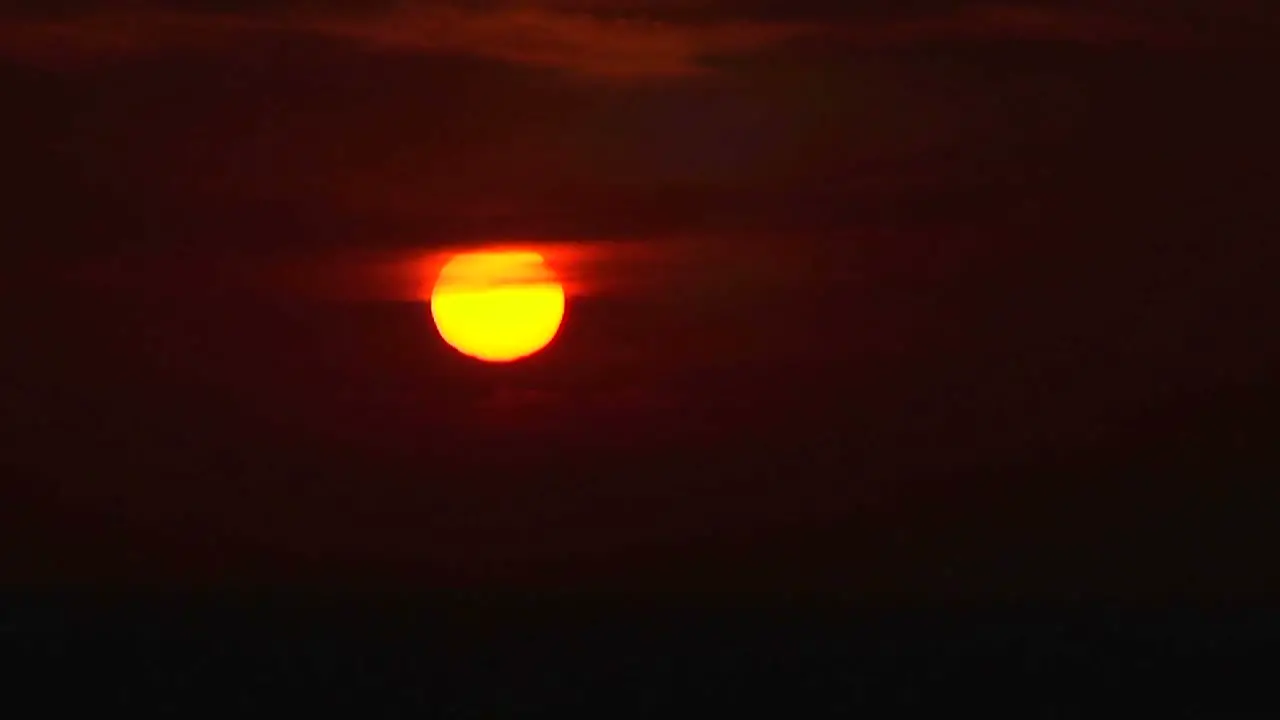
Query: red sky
[836, 252]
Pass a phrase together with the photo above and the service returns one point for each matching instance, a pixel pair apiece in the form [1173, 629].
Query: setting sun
[497, 306]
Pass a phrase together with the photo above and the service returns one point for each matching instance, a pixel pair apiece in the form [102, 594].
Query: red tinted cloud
[590, 38]
[575, 42]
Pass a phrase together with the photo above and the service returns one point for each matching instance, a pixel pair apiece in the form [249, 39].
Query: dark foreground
[488, 657]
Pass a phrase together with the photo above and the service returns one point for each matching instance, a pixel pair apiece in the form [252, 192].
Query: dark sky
[943, 298]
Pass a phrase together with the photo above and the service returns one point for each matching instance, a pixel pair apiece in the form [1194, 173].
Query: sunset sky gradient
[913, 297]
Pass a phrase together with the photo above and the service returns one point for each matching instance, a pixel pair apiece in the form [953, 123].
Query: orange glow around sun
[499, 305]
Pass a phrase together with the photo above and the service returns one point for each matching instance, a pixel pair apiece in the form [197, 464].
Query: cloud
[605, 39]
[575, 42]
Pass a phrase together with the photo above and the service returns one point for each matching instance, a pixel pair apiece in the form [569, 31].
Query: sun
[497, 305]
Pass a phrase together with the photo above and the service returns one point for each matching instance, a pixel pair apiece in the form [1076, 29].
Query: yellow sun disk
[497, 306]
